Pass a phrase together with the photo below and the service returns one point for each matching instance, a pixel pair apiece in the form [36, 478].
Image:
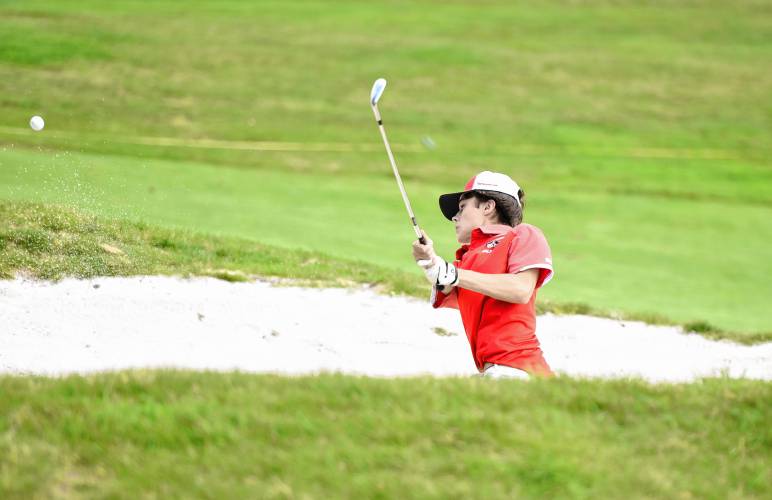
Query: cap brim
[449, 204]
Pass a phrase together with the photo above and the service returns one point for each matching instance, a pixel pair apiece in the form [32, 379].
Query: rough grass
[182, 434]
[52, 242]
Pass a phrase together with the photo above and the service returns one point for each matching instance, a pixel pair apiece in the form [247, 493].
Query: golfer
[493, 281]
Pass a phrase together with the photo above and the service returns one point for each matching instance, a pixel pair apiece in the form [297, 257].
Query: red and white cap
[484, 181]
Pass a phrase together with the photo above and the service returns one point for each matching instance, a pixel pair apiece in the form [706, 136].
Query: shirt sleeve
[529, 250]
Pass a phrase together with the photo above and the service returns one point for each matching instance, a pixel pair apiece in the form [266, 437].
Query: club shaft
[397, 176]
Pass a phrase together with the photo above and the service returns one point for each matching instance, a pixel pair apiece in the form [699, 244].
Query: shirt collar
[494, 229]
[482, 233]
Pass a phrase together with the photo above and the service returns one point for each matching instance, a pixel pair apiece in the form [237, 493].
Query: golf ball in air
[37, 123]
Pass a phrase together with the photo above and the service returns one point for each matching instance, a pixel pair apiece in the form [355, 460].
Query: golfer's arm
[515, 288]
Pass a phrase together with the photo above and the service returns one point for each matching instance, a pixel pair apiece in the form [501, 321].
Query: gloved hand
[439, 272]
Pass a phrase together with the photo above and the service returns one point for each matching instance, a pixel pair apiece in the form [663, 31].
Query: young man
[493, 281]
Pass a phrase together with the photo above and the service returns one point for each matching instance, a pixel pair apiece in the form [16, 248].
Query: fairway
[645, 162]
[614, 252]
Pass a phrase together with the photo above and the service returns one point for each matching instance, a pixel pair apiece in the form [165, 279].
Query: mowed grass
[615, 254]
[641, 132]
[670, 74]
[182, 434]
[52, 242]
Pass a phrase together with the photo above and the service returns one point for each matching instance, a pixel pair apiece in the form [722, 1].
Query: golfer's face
[469, 217]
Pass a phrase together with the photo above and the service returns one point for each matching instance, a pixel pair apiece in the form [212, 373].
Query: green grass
[643, 148]
[180, 434]
[619, 255]
[641, 131]
[52, 242]
[663, 74]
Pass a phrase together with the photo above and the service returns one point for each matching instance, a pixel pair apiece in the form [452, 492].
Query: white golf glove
[438, 272]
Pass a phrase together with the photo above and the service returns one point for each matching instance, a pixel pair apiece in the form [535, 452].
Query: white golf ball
[37, 123]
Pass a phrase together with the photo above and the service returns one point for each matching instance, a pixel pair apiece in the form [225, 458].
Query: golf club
[375, 94]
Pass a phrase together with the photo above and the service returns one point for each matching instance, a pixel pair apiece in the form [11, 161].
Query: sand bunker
[80, 326]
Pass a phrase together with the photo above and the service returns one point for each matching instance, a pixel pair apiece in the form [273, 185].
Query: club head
[378, 87]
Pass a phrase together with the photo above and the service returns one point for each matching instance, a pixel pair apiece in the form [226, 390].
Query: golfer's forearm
[504, 287]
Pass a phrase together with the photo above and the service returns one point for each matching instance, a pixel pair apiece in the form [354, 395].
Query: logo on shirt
[493, 244]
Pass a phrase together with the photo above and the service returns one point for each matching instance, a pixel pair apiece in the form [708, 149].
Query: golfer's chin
[462, 238]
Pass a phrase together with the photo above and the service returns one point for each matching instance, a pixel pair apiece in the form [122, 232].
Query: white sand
[115, 323]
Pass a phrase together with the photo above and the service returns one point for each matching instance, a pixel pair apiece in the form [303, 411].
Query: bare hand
[424, 252]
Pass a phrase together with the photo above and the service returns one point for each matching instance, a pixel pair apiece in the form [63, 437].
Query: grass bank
[170, 434]
[52, 242]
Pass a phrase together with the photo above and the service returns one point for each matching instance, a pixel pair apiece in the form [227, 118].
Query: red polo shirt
[502, 332]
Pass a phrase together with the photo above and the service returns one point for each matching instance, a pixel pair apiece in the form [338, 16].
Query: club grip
[422, 240]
